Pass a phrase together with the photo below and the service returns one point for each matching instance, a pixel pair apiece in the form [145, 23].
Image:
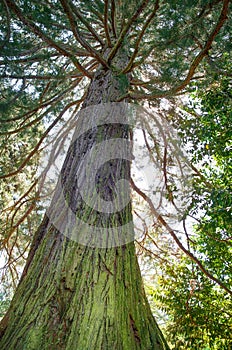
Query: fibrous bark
[84, 296]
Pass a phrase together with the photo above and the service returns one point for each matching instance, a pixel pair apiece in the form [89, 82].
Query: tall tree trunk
[84, 296]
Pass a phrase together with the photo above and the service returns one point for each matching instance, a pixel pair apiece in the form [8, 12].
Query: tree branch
[126, 29]
[55, 98]
[86, 23]
[36, 30]
[7, 37]
[41, 77]
[106, 27]
[78, 36]
[223, 17]
[172, 233]
[204, 52]
[31, 154]
[113, 18]
[140, 37]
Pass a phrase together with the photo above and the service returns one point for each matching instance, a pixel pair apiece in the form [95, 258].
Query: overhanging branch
[161, 220]
[190, 75]
[36, 148]
[38, 32]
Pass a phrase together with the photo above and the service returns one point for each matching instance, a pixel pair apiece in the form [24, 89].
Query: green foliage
[198, 310]
[210, 137]
[50, 52]
[19, 212]
[199, 313]
[4, 304]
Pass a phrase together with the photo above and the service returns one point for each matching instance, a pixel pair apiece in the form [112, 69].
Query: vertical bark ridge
[79, 297]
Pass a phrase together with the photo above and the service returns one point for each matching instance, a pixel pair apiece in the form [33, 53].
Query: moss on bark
[74, 296]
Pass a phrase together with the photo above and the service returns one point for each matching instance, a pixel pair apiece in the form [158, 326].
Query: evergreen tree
[61, 56]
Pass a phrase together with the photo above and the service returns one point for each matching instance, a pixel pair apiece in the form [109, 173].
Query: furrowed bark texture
[82, 297]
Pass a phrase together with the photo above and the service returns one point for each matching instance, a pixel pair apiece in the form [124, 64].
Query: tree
[19, 212]
[198, 310]
[90, 296]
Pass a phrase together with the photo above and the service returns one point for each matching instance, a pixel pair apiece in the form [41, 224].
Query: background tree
[197, 309]
[130, 51]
